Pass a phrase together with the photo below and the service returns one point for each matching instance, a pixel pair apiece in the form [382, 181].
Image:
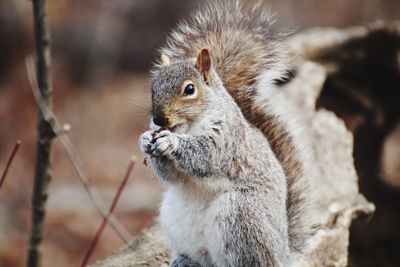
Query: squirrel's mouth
[176, 127]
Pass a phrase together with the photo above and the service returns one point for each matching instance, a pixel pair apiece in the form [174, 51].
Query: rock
[148, 249]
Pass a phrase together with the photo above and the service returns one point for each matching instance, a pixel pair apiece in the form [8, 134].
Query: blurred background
[101, 53]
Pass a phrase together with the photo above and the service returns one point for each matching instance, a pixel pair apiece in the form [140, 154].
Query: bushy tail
[240, 40]
[243, 50]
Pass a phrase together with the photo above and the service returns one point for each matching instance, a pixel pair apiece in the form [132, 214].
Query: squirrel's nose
[160, 121]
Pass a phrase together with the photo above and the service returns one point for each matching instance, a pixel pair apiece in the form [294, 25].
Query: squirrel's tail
[250, 59]
[240, 39]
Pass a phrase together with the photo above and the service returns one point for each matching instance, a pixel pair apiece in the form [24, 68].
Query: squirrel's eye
[189, 89]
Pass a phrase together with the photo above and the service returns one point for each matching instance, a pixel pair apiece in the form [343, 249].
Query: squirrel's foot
[163, 144]
[184, 261]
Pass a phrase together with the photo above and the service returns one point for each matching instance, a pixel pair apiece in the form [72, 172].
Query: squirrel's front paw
[145, 142]
[163, 144]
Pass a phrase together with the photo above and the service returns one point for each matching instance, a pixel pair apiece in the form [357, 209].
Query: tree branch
[8, 164]
[111, 210]
[73, 156]
[45, 132]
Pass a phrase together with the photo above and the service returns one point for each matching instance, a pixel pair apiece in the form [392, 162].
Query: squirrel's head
[180, 91]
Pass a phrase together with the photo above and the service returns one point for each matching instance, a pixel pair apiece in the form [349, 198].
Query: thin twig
[10, 160]
[74, 158]
[111, 210]
[45, 133]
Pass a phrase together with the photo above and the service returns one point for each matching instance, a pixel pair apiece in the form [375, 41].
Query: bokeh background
[101, 53]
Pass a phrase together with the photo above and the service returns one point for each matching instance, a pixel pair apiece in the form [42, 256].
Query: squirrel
[236, 174]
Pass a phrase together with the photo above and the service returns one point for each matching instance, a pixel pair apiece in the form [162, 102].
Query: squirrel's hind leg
[184, 261]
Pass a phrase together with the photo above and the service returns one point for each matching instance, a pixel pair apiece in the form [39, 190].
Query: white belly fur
[188, 217]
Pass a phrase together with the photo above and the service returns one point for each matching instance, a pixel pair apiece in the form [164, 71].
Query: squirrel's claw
[163, 144]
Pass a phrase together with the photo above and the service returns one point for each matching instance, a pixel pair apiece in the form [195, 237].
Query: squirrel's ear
[165, 60]
[203, 63]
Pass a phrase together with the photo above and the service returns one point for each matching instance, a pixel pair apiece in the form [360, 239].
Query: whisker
[140, 105]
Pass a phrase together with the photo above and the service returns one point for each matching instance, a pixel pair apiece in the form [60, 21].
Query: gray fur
[236, 196]
[184, 261]
[249, 58]
[226, 166]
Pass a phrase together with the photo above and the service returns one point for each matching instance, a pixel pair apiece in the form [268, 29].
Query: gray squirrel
[222, 141]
